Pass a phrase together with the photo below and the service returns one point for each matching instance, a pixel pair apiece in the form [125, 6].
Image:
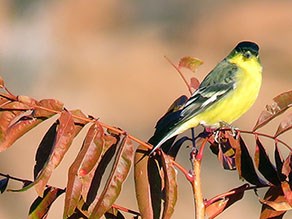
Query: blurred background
[107, 59]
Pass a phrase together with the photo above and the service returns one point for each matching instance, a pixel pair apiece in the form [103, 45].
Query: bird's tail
[158, 142]
[177, 127]
[165, 130]
[167, 125]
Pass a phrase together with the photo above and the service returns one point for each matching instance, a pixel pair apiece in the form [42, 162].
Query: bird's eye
[247, 54]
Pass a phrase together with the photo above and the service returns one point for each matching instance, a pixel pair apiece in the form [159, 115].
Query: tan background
[107, 58]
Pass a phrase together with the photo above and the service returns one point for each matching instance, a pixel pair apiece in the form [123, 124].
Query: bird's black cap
[247, 46]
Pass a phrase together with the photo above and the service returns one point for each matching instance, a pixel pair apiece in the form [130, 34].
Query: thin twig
[14, 178]
[232, 192]
[121, 208]
[261, 134]
[267, 136]
[180, 73]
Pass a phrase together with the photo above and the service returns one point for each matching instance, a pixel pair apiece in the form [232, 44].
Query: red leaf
[93, 144]
[80, 120]
[9, 116]
[27, 100]
[40, 207]
[170, 187]
[264, 165]
[281, 103]
[287, 168]
[91, 182]
[74, 184]
[53, 105]
[190, 63]
[195, 83]
[86, 159]
[279, 206]
[119, 172]
[15, 124]
[287, 192]
[236, 144]
[284, 100]
[73, 194]
[216, 208]
[265, 116]
[217, 205]
[284, 126]
[18, 128]
[142, 186]
[245, 165]
[274, 204]
[64, 138]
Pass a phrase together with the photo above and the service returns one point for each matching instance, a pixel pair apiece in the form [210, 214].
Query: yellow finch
[226, 93]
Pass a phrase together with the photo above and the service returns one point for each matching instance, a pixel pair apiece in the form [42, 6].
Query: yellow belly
[232, 106]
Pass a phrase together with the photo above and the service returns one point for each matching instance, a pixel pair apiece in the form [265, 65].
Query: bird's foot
[233, 129]
[221, 130]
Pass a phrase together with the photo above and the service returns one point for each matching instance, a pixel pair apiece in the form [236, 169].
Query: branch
[267, 136]
[89, 119]
[276, 139]
[15, 178]
[196, 184]
[181, 74]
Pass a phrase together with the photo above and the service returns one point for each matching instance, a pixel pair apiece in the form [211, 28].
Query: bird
[224, 95]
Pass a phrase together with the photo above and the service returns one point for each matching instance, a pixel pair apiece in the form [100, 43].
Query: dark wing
[172, 114]
[215, 86]
[167, 121]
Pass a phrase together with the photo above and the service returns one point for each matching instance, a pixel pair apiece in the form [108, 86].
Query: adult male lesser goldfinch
[226, 93]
